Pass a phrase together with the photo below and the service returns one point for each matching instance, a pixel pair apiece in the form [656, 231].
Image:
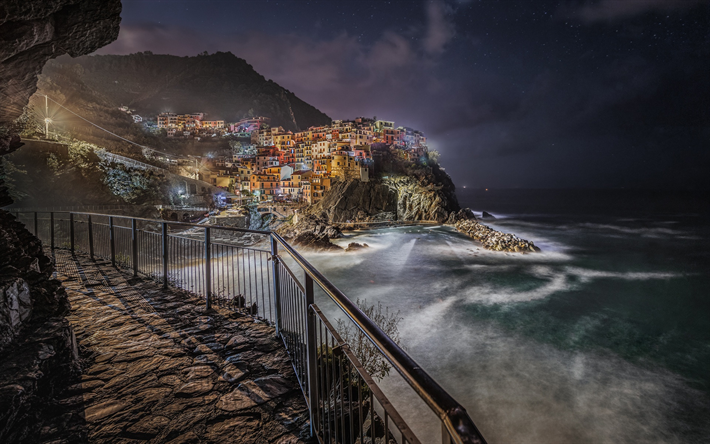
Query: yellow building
[346, 167]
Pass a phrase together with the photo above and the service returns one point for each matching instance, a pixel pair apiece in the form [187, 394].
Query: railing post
[91, 238]
[208, 269]
[71, 232]
[445, 437]
[112, 240]
[51, 230]
[311, 350]
[276, 283]
[165, 255]
[35, 224]
[134, 246]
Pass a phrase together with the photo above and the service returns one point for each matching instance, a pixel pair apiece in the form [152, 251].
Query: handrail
[456, 421]
[376, 391]
[451, 413]
[187, 224]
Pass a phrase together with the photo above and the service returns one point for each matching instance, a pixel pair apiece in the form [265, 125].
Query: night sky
[514, 94]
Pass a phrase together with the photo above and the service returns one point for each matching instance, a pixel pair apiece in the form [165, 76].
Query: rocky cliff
[424, 195]
[35, 31]
[37, 349]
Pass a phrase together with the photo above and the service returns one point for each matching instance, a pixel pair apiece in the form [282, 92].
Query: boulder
[354, 246]
[314, 242]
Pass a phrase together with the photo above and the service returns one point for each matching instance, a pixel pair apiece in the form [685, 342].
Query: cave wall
[37, 346]
[34, 31]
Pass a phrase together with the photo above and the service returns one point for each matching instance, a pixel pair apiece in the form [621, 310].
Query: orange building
[314, 190]
[264, 186]
[322, 166]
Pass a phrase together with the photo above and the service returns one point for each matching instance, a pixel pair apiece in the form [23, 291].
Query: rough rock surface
[311, 232]
[36, 342]
[402, 197]
[34, 31]
[495, 240]
[157, 367]
[354, 246]
[27, 292]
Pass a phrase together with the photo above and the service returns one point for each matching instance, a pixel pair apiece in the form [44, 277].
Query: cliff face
[37, 348]
[31, 33]
[34, 31]
[428, 194]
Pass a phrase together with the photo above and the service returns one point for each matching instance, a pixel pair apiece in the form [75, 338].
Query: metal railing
[249, 270]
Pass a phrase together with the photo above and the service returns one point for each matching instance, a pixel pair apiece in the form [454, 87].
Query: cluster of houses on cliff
[301, 166]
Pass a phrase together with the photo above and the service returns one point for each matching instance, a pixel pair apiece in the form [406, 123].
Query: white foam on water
[586, 275]
[521, 391]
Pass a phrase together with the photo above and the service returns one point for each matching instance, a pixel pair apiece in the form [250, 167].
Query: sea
[602, 337]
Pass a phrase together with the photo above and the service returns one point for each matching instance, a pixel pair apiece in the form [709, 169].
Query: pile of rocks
[494, 240]
[311, 232]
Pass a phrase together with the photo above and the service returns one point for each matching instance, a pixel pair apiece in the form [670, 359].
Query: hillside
[221, 85]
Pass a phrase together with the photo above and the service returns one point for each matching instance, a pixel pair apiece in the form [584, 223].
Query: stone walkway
[157, 368]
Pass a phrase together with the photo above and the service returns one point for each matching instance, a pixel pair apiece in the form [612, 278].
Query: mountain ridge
[222, 85]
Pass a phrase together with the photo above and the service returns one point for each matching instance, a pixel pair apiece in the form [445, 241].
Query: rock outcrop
[37, 346]
[494, 240]
[311, 232]
[34, 31]
[421, 197]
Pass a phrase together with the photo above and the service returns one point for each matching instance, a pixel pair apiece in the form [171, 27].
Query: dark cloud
[615, 10]
[440, 28]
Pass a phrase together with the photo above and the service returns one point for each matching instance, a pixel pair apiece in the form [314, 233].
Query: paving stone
[239, 429]
[199, 371]
[110, 374]
[195, 388]
[232, 373]
[208, 359]
[104, 357]
[235, 401]
[150, 425]
[173, 364]
[164, 369]
[171, 381]
[187, 438]
[267, 388]
[104, 409]
[85, 386]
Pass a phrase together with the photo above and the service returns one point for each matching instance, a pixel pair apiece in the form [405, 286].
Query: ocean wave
[508, 382]
[655, 232]
[586, 274]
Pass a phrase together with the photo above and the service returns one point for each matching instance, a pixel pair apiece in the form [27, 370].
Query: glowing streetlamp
[47, 120]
